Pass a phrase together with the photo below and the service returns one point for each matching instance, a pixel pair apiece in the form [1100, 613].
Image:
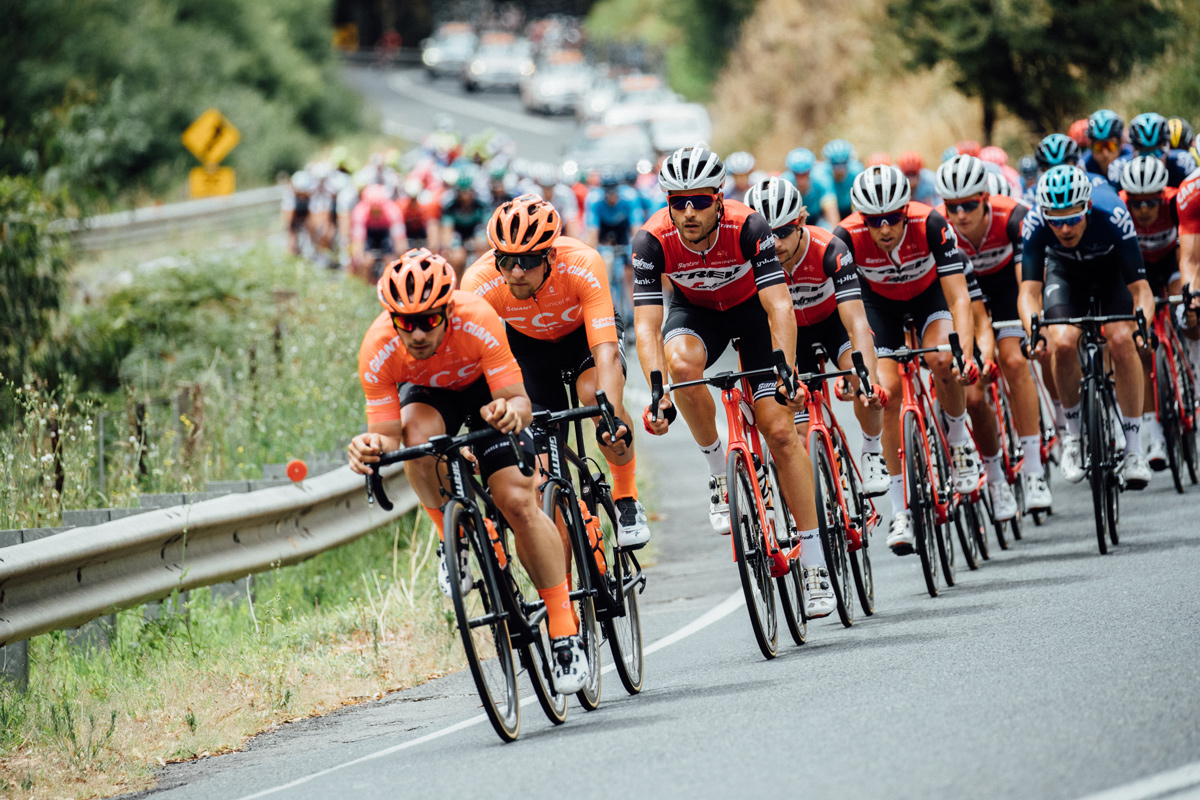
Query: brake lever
[375, 492]
[787, 376]
[957, 352]
[522, 462]
[864, 377]
[656, 393]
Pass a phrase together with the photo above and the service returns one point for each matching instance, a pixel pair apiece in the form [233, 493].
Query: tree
[1041, 59]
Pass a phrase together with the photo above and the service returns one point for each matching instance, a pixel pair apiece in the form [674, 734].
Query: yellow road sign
[211, 137]
[211, 181]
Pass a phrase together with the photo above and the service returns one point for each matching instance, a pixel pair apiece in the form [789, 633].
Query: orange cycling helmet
[524, 225]
[969, 147]
[416, 282]
[879, 157]
[910, 162]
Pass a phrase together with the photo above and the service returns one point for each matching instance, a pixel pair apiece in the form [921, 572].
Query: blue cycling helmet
[1055, 149]
[949, 153]
[1105, 124]
[1062, 187]
[609, 179]
[800, 161]
[838, 152]
[1148, 131]
[1028, 167]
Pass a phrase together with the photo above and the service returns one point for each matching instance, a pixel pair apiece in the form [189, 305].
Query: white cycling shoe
[1156, 454]
[569, 664]
[632, 530]
[1134, 471]
[718, 504]
[900, 536]
[466, 582]
[1004, 505]
[967, 467]
[1037, 493]
[1072, 459]
[820, 601]
[875, 479]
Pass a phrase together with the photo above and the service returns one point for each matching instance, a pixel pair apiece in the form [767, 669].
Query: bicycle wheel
[536, 657]
[1094, 442]
[1188, 416]
[1112, 485]
[1168, 416]
[557, 503]
[482, 625]
[749, 548]
[623, 629]
[920, 501]
[1011, 443]
[790, 586]
[941, 481]
[832, 526]
[968, 533]
[860, 559]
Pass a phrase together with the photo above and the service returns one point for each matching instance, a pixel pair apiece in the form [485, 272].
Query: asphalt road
[1052, 672]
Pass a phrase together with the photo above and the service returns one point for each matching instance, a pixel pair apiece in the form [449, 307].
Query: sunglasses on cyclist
[526, 261]
[784, 231]
[700, 202]
[879, 220]
[426, 322]
[1153, 202]
[1065, 222]
[965, 208]
[1110, 145]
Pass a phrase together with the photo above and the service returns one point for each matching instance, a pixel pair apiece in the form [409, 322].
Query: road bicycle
[608, 579]
[766, 545]
[1103, 439]
[1175, 391]
[845, 516]
[493, 615]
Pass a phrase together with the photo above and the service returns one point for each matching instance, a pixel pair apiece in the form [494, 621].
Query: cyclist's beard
[708, 232]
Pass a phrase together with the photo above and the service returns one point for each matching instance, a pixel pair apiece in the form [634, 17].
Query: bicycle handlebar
[1089, 322]
[864, 377]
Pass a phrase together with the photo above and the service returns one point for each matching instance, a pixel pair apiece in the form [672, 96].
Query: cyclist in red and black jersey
[989, 233]
[720, 258]
[910, 263]
[823, 281]
[1151, 202]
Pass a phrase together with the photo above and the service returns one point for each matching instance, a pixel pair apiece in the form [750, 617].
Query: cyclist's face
[524, 283]
[423, 344]
[1144, 208]
[697, 225]
[1105, 152]
[888, 236]
[803, 181]
[967, 220]
[790, 246]
[1069, 235]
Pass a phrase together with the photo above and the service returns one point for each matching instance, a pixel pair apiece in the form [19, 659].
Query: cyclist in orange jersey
[437, 358]
[552, 293]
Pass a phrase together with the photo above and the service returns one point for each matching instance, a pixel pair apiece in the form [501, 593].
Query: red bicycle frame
[1165, 331]
[915, 400]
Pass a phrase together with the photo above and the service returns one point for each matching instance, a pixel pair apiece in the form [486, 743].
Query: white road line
[723, 609]
[401, 84]
[1161, 785]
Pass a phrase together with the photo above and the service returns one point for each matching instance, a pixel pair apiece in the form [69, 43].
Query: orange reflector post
[297, 470]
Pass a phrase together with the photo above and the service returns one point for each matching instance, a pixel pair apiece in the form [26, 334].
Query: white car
[556, 88]
[680, 125]
[446, 51]
[500, 61]
[641, 99]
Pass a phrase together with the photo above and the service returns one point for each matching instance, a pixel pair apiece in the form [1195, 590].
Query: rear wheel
[1168, 416]
[749, 548]
[968, 532]
[1187, 414]
[942, 479]
[481, 623]
[623, 630]
[860, 559]
[832, 527]
[920, 500]
[790, 586]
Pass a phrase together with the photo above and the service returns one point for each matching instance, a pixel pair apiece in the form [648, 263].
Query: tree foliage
[1041, 59]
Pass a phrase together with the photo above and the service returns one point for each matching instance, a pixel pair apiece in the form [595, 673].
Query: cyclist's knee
[779, 430]
[940, 364]
[684, 363]
[1014, 365]
[516, 500]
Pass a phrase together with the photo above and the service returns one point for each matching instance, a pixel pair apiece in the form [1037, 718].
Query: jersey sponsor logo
[385, 352]
[584, 272]
[491, 284]
[1123, 222]
[642, 264]
[988, 261]
[643, 281]
[370, 377]
[1052, 288]
[481, 333]
[708, 279]
[846, 278]
[382, 401]
[549, 320]
[442, 379]
[810, 294]
[846, 260]
[603, 322]
[496, 370]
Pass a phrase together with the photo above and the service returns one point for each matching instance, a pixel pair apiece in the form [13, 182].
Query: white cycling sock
[1071, 413]
[1152, 427]
[896, 493]
[872, 444]
[714, 454]
[1060, 416]
[956, 429]
[811, 552]
[1133, 434]
[1032, 465]
[995, 467]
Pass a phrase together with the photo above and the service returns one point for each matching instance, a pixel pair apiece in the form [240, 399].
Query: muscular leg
[1022, 391]
[685, 362]
[539, 546]
[421, 423]
[869, 419]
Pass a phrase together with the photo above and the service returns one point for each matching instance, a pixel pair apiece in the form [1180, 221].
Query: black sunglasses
[700, 202]
[426, 322]
[879, 220]
[965, 208]
[784, 231]
[1140, 204]
[526, 261]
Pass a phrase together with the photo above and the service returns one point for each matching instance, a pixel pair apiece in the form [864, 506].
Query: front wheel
[623, 581]
[749, 548]
[920, 500]
[791, 585]
[1168, 417]
[832, 526]
[1094, 440]
[556, 504]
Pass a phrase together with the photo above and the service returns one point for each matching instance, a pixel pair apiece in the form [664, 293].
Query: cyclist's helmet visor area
[416, 282]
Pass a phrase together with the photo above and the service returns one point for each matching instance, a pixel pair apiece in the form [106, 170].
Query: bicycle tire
[750, 552]
[1168, 417]
[555, 503]
[1187, 391]
[1011, 443]
[831, 527]
[968, 536]
[1112, 493]
[860, 559]
[623, 631]
[916, 475]
[790, 586]
[1093, 442]
[495, 677]
[536, 658]
[943, 477]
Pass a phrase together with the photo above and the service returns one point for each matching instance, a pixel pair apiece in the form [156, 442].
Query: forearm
[609, 376]
[861, 338]
[647, 323]
[777, 301]
[985, 337]
[1143, 297]
[1029, 303]
[1189, 258]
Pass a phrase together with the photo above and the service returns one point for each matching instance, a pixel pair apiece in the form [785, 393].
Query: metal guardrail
[155, 223]
[68, 579]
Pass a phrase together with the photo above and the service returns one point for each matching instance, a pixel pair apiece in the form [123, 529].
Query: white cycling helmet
[998, 184]
[779, 201]
[962, 176]
[880, 189]
[739, 163]
[1063, 187]
[691, 168]
[1144, 175]
[303, 182]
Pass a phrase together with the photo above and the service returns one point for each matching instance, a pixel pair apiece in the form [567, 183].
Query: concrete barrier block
[156, 501]
[227, 487]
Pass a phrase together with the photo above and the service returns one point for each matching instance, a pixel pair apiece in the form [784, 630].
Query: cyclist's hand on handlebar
[618, 443]
[990, 370]
[876, 400]
[970, 375]
[501, 415]
[797, 402]
[364, 450]
[666, 413]
[843, 389]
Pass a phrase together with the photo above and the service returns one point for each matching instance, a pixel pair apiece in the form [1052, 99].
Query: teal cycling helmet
[800, 161]
[949, 153]
[1055, 149]
[1148, 131]
[1063, 187]
[838, 152]
[1105, 124]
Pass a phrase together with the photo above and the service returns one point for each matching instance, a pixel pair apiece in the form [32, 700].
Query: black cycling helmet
[1055, 149]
